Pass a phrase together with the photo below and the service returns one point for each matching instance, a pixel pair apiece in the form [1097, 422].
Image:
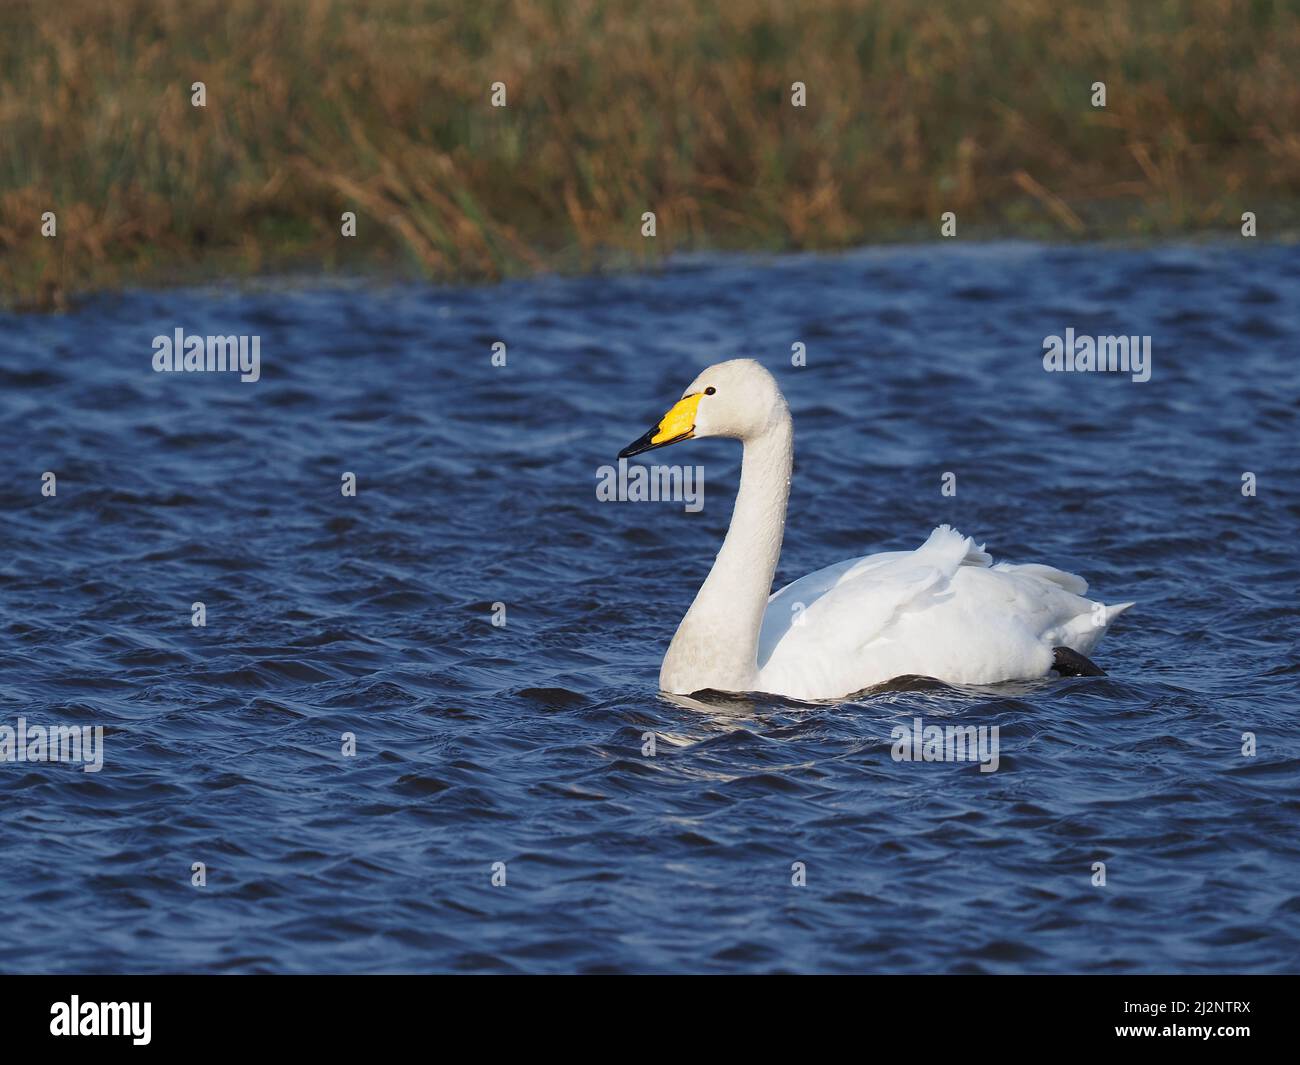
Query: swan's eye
[710, 390]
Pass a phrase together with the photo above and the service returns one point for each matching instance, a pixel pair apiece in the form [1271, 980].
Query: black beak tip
[639, 445]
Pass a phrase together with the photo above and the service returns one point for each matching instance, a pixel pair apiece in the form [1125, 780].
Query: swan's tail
[1084, 631]
[1112, 612]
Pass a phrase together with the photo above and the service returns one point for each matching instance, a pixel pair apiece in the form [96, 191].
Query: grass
[683, 108]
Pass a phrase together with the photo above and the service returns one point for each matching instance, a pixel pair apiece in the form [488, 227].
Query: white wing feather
[942, 611]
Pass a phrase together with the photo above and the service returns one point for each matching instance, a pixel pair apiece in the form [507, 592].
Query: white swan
[940, 611]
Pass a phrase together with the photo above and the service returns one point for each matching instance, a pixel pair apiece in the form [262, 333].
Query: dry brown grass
[615, 108]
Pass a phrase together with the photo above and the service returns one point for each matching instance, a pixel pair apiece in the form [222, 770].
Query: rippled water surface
[522, 744]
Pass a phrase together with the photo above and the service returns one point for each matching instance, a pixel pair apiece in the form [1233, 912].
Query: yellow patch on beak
[678, 422]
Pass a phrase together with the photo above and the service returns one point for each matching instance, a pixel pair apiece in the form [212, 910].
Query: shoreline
[222, 275]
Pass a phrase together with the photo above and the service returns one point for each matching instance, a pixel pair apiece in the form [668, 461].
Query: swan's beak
[677, 424]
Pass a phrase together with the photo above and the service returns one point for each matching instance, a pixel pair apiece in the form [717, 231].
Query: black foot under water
[1072, 664]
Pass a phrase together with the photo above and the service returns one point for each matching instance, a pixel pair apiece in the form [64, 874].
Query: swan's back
[942, 611]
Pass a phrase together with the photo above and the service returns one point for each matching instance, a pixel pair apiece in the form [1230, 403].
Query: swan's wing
[942, 610]
[842, 607]
[1068, 581]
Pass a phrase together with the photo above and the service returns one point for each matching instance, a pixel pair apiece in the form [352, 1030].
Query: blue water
[478, 743]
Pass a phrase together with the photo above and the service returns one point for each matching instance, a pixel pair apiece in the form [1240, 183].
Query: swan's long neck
[716, 645]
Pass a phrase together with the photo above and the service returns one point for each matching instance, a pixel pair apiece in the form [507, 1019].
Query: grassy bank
[614, 108]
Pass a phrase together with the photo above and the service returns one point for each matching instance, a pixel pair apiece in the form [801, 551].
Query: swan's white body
[941, 611]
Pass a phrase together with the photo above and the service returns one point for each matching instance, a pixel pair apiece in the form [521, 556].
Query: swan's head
[737, 398]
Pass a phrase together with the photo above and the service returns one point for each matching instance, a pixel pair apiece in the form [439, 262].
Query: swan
[942, 611]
